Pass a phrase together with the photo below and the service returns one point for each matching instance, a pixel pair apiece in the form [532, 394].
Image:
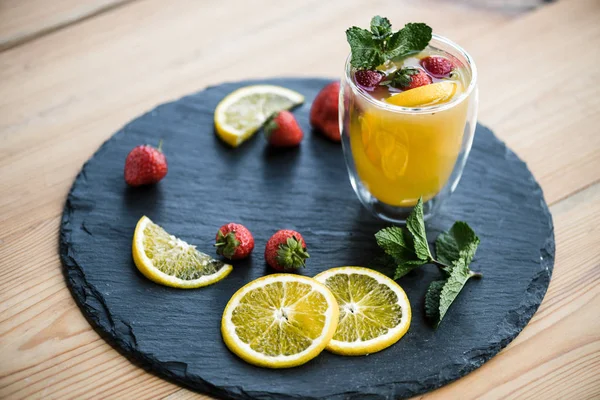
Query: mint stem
[439, 264]
[474, 274]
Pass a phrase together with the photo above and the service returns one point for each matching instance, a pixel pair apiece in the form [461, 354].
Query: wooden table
[73, 71]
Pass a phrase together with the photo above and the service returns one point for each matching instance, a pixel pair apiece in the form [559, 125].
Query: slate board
[175, 333]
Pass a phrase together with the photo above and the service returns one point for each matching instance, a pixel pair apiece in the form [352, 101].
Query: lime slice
[280, 320]
[428, 95]
[170, 261]
[374, 310]
[241, 113]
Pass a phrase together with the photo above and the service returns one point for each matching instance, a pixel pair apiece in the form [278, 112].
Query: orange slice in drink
[428, 95]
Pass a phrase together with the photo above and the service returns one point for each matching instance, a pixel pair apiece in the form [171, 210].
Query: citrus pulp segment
[374, 310]
[280, 320]
[170, 261]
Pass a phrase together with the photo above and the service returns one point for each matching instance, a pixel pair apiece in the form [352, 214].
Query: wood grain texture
[59, 101]
[25, 20]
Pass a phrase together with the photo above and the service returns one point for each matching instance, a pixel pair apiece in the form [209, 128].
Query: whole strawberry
[282, 130]
[368, 78]
[437, 66]
[324, 112]
[234, 241]
[410, 78]
[286, 250]
[145, 165]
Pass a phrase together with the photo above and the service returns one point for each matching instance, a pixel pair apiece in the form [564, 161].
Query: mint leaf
[416, 226]
[432, 300]
[384, 264]
[456, 281]
[381, 28]
[397, 243]
[366, 52]
[412, 38]
[405, 267]
[459, 242]
[372, 48]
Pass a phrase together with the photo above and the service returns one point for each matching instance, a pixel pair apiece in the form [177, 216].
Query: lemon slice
[374, 310]
[280, 320]
[243, 111]
[428, 95]
[170, 261]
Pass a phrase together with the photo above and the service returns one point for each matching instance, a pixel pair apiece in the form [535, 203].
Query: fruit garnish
[374, 310]
[170, 261]
[234, 241]
[368, 78]
[282, 130]
[437, 66]
[372, 48]
[280, 320]
[428, 95]
[410, 78]
[242, 112]
[324, 112]
[407, 249]
[145, 165]
[286, 251]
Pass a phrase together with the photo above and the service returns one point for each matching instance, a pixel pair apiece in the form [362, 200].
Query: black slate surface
[175, 333]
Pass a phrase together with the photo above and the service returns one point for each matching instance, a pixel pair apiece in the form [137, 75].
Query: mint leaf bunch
[371, 48]
[408, 249]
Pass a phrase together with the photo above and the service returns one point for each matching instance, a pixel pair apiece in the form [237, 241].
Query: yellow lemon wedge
[428, 95]
[280, 320]
[170, 261]
[242, 112]
[374, 310]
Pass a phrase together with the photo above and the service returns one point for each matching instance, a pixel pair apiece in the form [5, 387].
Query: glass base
[394, 214]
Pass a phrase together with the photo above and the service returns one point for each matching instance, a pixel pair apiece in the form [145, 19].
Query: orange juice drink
[407, 127]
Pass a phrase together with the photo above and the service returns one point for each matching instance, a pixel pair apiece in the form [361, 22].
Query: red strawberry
[234, 241]
[410, 78]
[437, 66]
[145, 165]
[282, 130]
[286, 250]
[324, 112]
[368, 78]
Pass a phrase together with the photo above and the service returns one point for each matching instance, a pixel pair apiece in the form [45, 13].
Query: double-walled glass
[396, 154]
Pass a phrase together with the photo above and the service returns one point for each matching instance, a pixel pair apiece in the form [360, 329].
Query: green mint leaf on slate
[405, 267]
[432, 301]
[381, 28]
[416, 226]
[441, 294]
[456, 281]
[397, 243]
[412, 38]
[384, 264]
[459, 242]
[366, 52]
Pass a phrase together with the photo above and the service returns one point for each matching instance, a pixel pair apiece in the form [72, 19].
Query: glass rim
[427, 109]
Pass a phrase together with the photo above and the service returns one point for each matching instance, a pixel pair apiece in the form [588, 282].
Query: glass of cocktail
[402, 143]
